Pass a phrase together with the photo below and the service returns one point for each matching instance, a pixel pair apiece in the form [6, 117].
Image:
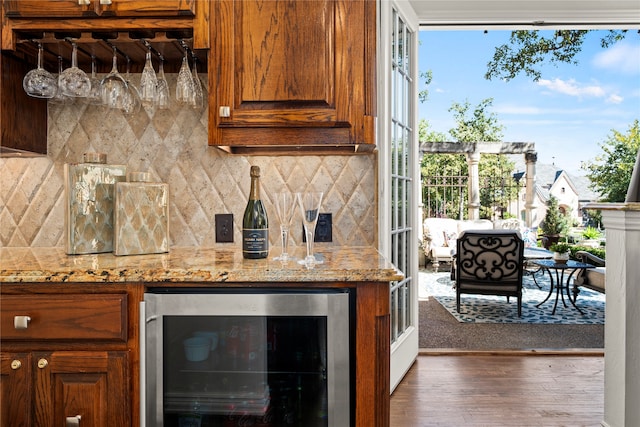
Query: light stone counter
[192, 264]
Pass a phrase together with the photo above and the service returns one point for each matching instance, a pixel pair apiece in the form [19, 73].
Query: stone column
[622, 314]
[473, 159]
[531, 158]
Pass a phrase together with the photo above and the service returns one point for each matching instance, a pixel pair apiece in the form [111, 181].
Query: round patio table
[561, 281]
[532, 254]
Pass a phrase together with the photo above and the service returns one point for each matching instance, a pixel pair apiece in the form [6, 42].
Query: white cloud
[614, 99]
[572, 88]
[622, 57]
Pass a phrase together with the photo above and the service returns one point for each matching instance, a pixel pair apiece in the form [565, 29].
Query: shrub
[590, 233]
[599, 252]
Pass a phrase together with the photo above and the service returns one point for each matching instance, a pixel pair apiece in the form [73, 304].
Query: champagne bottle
[255, 225]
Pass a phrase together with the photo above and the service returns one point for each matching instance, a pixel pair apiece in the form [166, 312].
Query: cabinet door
[16, 392]
[290, 72]
[92, 385]
[121, 8]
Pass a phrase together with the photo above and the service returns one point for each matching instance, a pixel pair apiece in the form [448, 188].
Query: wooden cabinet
[50, 389]
[22, 20]
[94, 8]
[293, 76]
[63, 356]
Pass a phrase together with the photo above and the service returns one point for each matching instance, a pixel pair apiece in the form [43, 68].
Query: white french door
[398, 178]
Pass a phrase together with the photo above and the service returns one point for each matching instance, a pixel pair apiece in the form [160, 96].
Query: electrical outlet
[224, 228]
[324, 231]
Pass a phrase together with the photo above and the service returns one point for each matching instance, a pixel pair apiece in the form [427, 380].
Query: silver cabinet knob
[73, 421]
[21, 322]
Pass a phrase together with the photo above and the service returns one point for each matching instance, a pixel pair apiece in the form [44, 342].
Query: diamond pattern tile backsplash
[172, 146]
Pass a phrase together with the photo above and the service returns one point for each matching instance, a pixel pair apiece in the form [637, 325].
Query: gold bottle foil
[89, 194]
[141, 216]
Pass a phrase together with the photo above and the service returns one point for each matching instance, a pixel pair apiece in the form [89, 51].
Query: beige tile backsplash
[172, 146]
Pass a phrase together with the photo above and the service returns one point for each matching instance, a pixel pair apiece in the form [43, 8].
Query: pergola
[473, 150]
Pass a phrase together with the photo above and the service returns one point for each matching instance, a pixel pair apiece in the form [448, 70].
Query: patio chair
[489, 262]
[592, 278]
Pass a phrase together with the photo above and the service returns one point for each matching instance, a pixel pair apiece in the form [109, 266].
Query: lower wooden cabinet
[66, 358]
[64, 388]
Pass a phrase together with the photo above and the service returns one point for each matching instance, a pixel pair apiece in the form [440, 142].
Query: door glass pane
[402, 86]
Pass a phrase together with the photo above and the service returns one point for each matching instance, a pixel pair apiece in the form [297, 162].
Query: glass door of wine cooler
[245, 359]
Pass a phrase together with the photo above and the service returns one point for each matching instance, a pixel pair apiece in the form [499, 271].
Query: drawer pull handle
[73, 421]
[42, 363]
[21, 322]
[16, 364]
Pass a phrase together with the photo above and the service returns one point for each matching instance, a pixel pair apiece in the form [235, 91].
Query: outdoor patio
[502, 329]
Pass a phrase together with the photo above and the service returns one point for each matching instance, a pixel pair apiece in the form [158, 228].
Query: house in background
[572, 192]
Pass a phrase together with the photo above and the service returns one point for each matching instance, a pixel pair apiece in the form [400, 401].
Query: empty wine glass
[131, 103]
[95, 94]
[310, 208]
[73, 81]
[148, 82]
[60, 97]
[184, 83]
[114, 86]
[285, 204]
[162, 90]
[38, 82]
[198, 94]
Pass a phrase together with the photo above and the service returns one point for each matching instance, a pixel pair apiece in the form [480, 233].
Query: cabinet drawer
[65, 317]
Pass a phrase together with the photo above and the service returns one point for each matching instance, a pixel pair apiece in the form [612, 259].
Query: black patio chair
[489, 262]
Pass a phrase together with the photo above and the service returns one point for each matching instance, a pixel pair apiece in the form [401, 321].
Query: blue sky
[568, 113]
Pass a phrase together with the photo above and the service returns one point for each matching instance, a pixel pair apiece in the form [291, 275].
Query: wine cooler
[246, 358]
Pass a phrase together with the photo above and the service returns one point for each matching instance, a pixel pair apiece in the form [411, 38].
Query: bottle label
[255, 240]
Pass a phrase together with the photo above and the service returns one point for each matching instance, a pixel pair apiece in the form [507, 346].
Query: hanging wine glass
[162, 90]
[114, 87]
[74, 82]
[95, 93]
[148, 82]
[38, 82]
[59, 98]
[132, 103]
[198, 93]
[184, 83]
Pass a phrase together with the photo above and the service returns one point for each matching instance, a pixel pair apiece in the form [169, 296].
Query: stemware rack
[132, 46]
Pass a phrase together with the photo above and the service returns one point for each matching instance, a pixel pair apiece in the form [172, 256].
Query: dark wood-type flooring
[501, 390]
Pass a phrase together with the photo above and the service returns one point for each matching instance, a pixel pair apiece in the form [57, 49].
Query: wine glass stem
[285, 240]
[309, 241]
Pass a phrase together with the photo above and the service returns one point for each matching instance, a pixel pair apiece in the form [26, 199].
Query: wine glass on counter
[39, 83]
[310, 208]
[74, 82]
[285, 204]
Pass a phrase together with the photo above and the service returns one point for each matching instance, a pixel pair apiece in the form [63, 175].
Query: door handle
[21, 322]
[73, 421]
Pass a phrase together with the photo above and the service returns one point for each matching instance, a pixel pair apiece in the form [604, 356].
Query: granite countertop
[192, 264]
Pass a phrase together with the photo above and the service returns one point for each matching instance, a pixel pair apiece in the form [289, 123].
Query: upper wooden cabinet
[121, 8]
[291, 76]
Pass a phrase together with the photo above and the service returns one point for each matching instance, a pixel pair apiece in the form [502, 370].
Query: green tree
[473, 124]
[526, 50]
[610, 172]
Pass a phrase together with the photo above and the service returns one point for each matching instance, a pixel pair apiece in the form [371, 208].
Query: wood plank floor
[501, 390]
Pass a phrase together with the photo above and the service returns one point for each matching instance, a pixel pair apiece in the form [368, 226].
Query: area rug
[495, 309]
